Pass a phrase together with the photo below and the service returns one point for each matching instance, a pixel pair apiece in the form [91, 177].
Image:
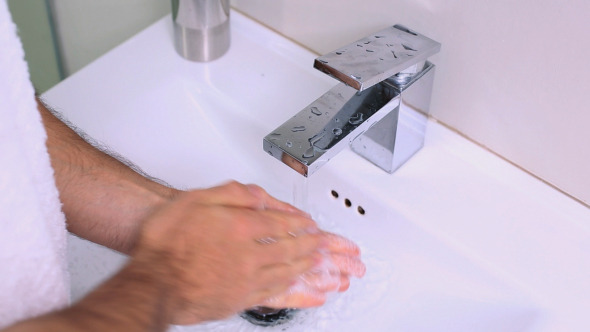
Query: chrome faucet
[380, 109]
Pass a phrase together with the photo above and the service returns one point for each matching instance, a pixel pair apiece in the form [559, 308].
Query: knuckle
[234, 186]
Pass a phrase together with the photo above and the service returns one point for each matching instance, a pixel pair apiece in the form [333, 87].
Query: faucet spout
[380, 108]
[318, 132]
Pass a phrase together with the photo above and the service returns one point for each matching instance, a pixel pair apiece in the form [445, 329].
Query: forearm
[133, 300]
[104, 200]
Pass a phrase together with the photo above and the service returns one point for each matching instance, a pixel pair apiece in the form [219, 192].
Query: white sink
[455, 240]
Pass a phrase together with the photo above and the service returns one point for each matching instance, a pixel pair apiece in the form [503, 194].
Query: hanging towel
[33, 265]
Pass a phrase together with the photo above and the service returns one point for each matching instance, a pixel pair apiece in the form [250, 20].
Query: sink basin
[415, 281]
[455, 240]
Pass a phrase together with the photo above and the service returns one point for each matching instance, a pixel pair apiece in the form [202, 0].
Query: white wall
[87, 29]
[512, 75]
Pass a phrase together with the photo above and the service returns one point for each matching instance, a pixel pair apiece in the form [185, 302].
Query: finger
[344, 283]
[340, 244]
[281, 224]
[349, 266]
[277, 279]
[281, 274]
[272, 203]
[287, 251]
[307, 299]
[319, 280]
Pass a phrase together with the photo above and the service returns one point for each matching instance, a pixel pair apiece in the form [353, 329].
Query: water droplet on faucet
[315, 138]
[289, 144]
[356, 76]
[356, 119]
[337, 131]
[309, 153]
[298, 128]
[316, 111]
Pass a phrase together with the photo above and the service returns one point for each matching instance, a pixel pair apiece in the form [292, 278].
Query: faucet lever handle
[375, 58]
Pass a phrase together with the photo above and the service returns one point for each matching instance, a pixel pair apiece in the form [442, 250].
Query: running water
[300, 196]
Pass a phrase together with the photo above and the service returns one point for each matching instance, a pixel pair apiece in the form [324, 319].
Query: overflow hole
[361, 210]
[334, 194]
[347, 202]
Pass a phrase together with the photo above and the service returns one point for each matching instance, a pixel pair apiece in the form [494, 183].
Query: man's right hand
[222, 250]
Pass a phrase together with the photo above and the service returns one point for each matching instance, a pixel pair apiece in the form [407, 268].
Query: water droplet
[367, 42]
[322, 61]
[298, 128]
[337, 131]
[359, 45]
[356, 76]
[315, 111]
[304, 162]
[289, 144]
[327, 113]
[356, 119]
[270, 153]
[408, 48]
[315, 138]
[309, 153]
[379, 36]
[339, 53]
[336, 120]
[370, 51]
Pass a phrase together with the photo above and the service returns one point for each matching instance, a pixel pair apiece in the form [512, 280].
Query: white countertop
[196, 125]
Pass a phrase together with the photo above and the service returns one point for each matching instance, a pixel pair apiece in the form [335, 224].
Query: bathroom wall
[512, 75]
[89, 28]
[34, 29]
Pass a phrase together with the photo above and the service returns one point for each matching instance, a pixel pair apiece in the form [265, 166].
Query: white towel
[33, 266]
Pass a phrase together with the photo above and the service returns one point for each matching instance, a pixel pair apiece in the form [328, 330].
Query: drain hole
[347, 202]
[334, 194]
[264, 316]
[361, 210]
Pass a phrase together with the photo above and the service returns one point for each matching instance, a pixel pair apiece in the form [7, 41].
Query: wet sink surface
[455, 240]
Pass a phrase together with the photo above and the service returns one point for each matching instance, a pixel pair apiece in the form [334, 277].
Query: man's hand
[340, 261]
[206, 247]
[205, 255]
